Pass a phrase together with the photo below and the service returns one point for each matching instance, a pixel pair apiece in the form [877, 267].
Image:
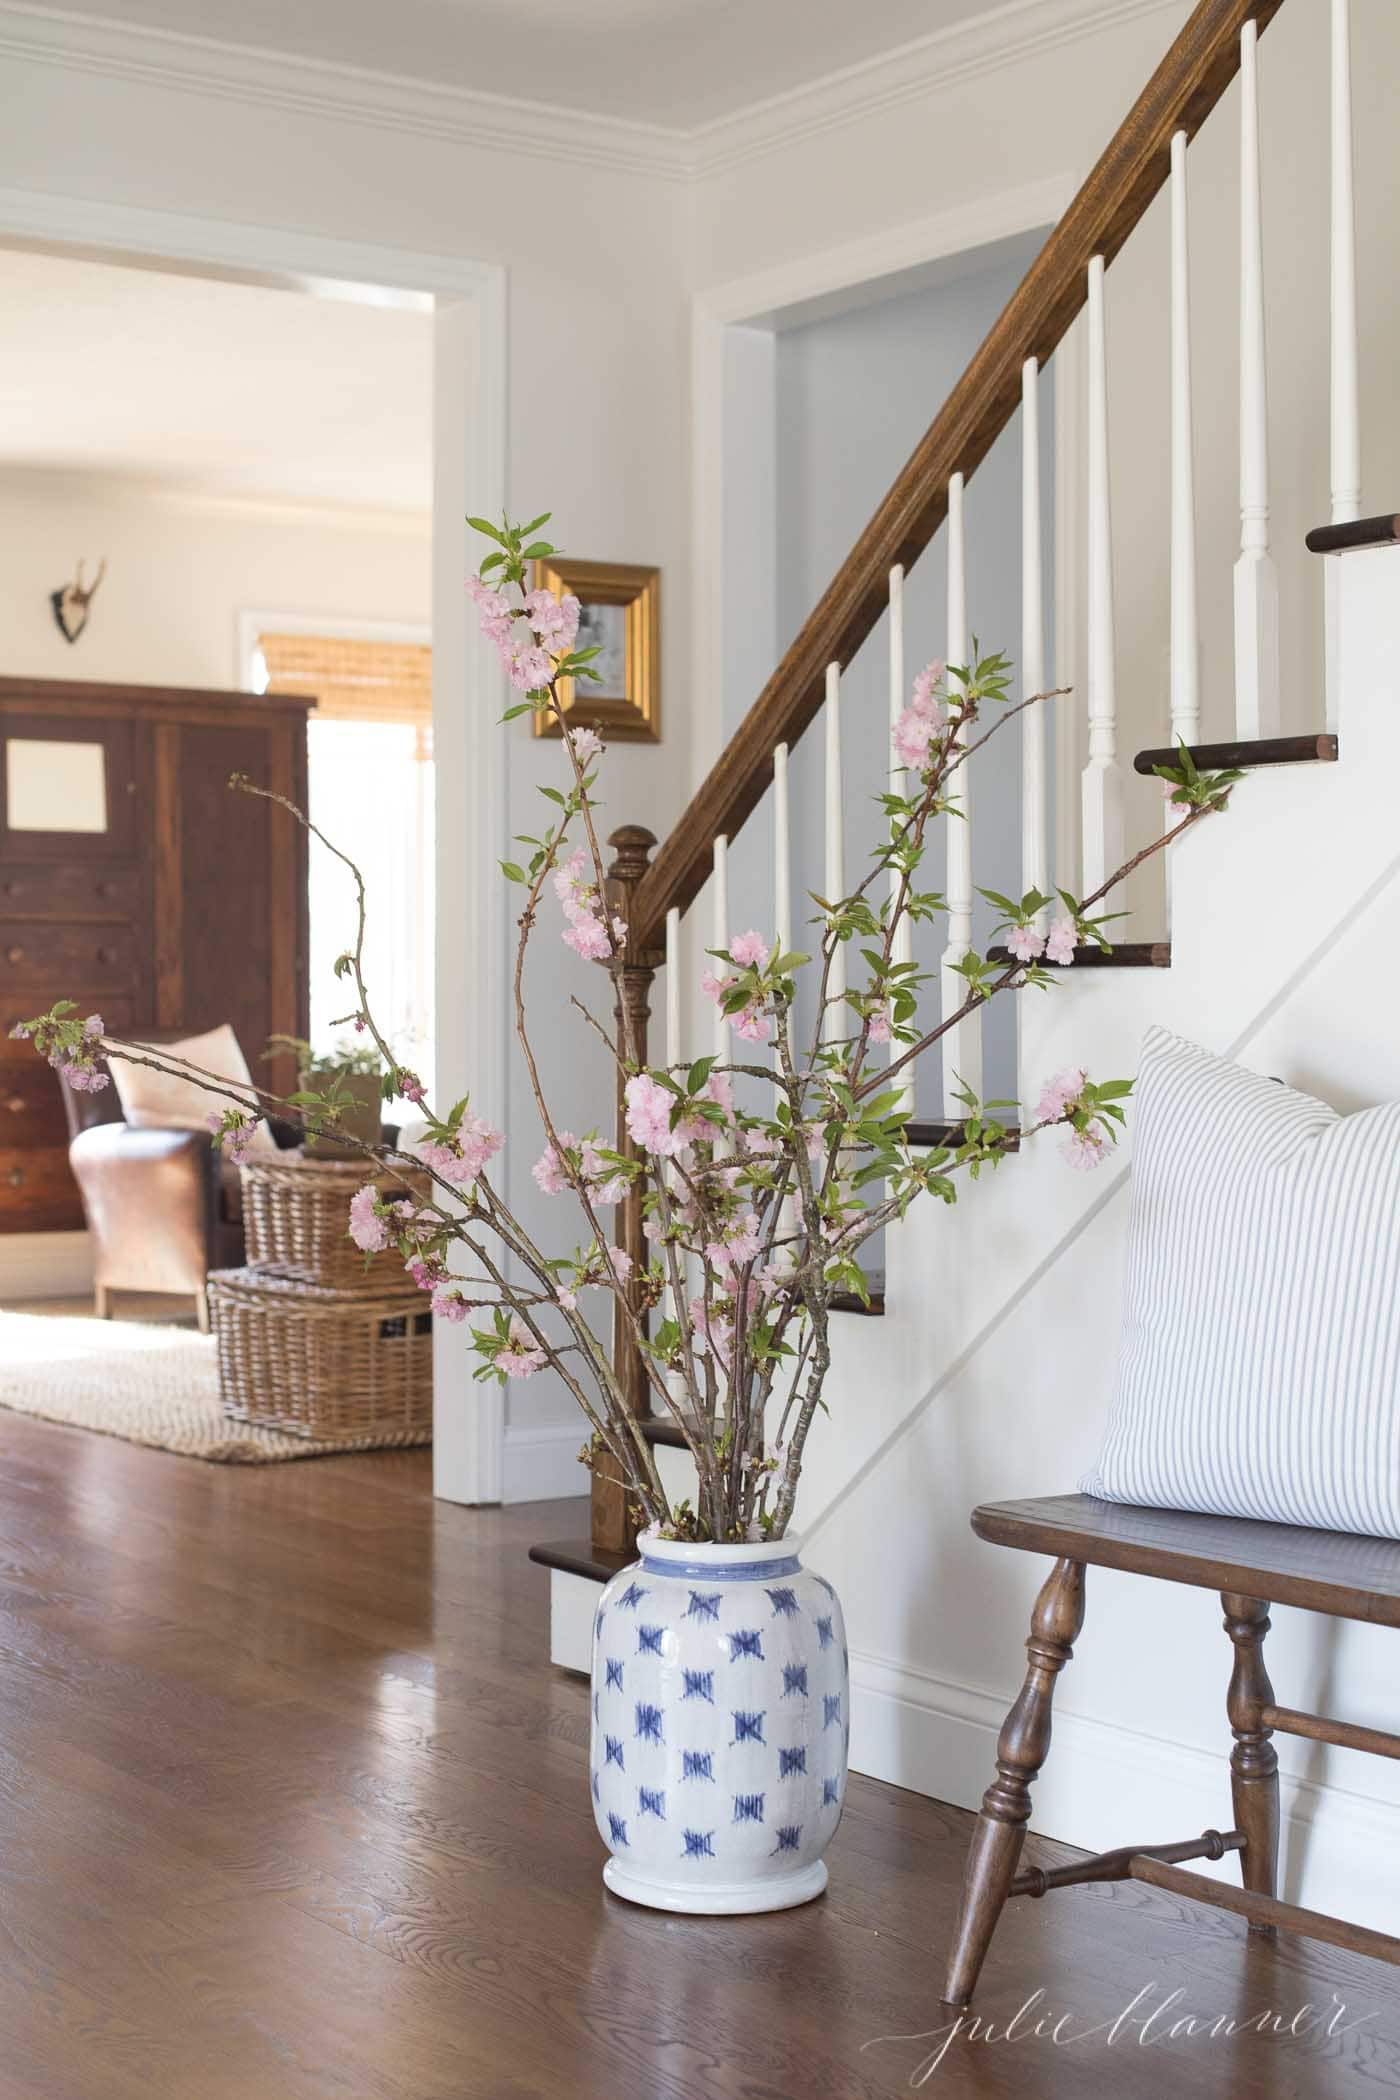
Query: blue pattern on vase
[698, 1652]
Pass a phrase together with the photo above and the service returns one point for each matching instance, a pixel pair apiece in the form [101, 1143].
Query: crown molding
[1020, 30]
[498, 122]
[306, 87]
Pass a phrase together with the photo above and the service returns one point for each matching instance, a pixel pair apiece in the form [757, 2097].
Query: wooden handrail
[1179, 97]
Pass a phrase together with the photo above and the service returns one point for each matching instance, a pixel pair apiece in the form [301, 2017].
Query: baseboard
[541, 1465]
[45, 1265]
[1105, 1785]
[573, 1600]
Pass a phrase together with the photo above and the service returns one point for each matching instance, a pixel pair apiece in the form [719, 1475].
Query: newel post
[632, 846]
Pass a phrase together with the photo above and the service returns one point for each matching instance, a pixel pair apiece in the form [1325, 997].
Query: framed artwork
[621, 618]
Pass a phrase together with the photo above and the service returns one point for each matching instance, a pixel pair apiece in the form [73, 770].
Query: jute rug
[149, 1385]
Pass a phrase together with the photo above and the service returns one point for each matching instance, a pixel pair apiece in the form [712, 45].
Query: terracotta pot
[360, 1111]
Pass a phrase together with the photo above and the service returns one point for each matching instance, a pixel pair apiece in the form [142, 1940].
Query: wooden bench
[1252, 1565]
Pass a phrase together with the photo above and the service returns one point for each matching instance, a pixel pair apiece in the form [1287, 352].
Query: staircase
[930, 1382]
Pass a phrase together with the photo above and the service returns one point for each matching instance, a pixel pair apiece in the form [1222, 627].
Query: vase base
[724, 1899]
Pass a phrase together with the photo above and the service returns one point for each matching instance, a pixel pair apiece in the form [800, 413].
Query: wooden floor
[292, 1805]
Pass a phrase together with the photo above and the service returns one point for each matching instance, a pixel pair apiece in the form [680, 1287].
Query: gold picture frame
[621, 614]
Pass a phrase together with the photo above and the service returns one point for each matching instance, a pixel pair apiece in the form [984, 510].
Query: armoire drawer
[31, 1105]
[69, 890]
[44, 952]
[38, 1192]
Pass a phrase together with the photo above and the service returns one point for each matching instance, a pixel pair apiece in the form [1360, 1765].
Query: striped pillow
[1260, 1367]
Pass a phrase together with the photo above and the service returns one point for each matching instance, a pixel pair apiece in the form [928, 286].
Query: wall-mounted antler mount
[71, 602]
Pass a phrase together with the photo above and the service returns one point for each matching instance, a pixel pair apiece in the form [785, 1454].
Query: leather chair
[162, 1206]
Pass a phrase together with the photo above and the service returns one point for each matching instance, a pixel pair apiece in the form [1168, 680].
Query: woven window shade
[355, 681]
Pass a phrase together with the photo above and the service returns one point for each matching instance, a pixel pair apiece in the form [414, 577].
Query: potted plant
[721, 1702]
[344, 1087]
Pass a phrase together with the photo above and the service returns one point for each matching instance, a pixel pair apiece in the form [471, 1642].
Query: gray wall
[854, 393]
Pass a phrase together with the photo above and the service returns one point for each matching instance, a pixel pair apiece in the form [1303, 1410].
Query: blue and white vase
[721, 1714]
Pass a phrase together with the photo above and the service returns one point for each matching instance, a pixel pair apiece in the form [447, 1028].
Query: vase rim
[690, 1552]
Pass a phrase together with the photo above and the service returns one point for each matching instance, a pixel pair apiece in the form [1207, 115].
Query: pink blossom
[92, 1027]
[750, 951]
[588, 937]
[84, 1079]
[585, 744]
[925, 701]
[913, 734]
[1085, 1149]
[880, 1025]
[523, 1358]
[715, 987]
[530, 669]
[649, 1108]
[411, 1087]
[714, 1332]
[1060, 1093]
[448, 1302]
[571, 886]
[1060, 943]
[548, 1170]
[426, 1274]
[750, 1023]
[567, 1298]
[621, 1263]
[370, 1233]
[458, 1163]
[482, 592]
[1025, 943]
[738, 1242]
[555, 620]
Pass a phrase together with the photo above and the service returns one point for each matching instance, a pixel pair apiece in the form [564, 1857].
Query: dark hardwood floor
[291, 1805]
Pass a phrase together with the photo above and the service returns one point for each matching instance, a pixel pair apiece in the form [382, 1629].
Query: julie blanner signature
[1152, 2018]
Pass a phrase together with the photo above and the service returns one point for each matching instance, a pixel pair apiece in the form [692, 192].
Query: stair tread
[1318, 748]
[1345, 539]
[1122, 955]
[581, 1557]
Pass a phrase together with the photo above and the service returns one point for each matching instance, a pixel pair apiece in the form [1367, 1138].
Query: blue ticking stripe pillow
[1260, 1367]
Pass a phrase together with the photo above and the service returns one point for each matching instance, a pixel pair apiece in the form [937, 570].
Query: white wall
[180, 572]
[996, 1385]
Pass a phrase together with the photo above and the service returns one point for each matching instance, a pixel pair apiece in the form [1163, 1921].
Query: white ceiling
[210, 388]
[679, 63]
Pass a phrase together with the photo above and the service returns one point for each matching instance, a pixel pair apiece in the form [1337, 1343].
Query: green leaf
[481, 525]
[512, 872]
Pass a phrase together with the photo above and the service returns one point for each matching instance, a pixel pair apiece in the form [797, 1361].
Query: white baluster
[902, 948]
[1256, 578]
[673, 986]
[1346, 390]
[1035, 861]
[1346, 408]
[1186, 637]
[720, 935]
[837, 1019]
[782, 850]
[962, 1045]
[1103, 782]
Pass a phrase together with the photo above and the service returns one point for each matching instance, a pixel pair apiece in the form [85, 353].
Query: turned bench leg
[1254, 1760]
[1022, 1748]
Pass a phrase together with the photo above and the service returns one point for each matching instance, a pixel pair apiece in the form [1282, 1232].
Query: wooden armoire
[135, 881]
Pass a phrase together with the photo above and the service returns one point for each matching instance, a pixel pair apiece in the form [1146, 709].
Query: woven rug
[149, 1385]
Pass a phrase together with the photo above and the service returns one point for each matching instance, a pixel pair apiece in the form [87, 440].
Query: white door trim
[468, 301]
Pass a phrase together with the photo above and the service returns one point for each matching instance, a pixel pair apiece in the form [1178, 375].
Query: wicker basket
[335, 1365]
[295, 1213]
